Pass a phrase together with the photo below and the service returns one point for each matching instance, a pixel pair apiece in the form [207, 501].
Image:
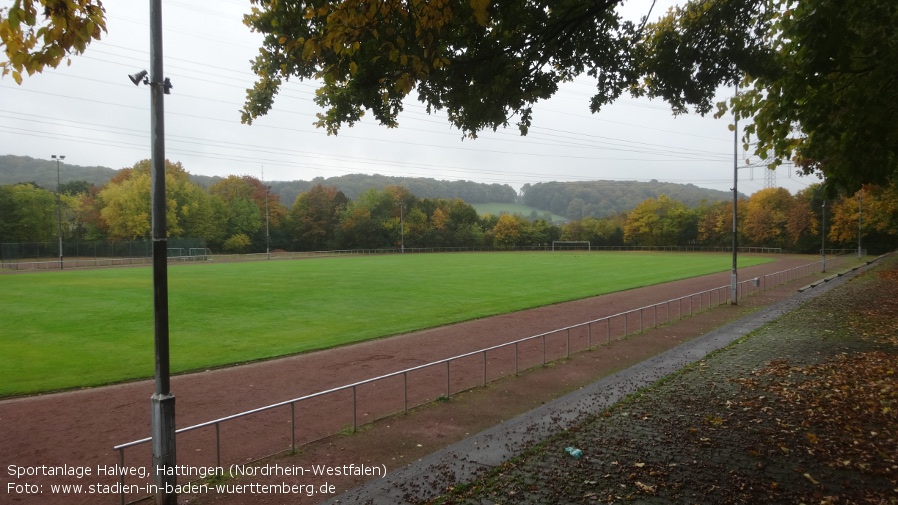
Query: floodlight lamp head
[138, 77]
[167, 86]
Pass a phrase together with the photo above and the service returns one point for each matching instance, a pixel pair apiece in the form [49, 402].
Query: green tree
[237, 196]
[244, 218]
[27, 214]
[67, 28]
[75, 187]
[203, 216]
[814, 76]
[237, 244]
[125, 201]
[481, 61]
[315, 216]
[357, 228]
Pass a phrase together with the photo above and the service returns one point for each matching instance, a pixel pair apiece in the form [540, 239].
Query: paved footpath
[553, 473]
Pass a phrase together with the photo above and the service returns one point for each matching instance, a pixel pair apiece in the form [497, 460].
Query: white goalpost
[571, 245]
[200, 254]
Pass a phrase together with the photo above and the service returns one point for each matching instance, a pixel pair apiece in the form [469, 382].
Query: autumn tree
[40, 33]
[802, 220]
[125, 206]
[315, 216]
[90, 224]
[373, 219]
[598, 231]
[507, 231]
[875, 210]
[660, 221]
[766, 216]
[715, 224]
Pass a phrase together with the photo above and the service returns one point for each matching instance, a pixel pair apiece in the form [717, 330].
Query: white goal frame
[200, 254]
[562, 242]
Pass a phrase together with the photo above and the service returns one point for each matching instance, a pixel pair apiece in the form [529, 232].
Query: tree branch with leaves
[39, 33]
[482, 62]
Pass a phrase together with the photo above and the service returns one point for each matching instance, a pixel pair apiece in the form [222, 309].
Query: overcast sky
[92, 113]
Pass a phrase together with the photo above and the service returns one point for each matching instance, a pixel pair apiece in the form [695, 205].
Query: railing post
[484, 368]
[217, 445]
[568, 342]
[641, 328]
[355, 425]
[515, 358]
[405, 392]
[121, 477]
[544, 349]
[589, 336]
[292, 427]
[608, 327]
[447, 380]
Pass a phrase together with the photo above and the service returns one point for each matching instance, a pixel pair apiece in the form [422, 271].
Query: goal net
[571, 245]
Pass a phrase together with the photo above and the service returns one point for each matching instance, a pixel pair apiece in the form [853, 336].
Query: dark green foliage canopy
[482, 61]
[818, 79]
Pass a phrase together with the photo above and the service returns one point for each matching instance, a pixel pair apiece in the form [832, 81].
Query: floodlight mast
[58, 206]
[163, 401]
[734, 280]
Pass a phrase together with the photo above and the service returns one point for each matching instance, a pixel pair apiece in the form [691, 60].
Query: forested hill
[355, 184]
[15, 169]
[577, 200]
[574, 200]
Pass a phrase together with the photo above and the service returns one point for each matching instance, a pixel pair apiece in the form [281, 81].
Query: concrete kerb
[466, 460]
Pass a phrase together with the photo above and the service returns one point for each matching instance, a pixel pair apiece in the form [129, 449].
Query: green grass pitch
[68, 329]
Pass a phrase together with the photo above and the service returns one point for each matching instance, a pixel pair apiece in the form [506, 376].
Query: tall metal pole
[859, 254]
[823, 240]
[58, 206]
[267, 235]
[163, 401]
[734, 277]
[401, 231]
